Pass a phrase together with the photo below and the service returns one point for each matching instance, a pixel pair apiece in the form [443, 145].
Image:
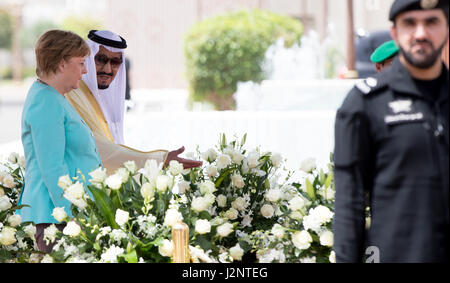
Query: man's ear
[378, 67]
[393, 33]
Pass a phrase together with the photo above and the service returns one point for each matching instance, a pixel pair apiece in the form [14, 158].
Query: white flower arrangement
[241, 205]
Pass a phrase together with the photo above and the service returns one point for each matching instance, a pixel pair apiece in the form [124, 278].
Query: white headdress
[112, 99]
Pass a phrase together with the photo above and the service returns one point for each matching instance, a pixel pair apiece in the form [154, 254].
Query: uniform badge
[428, 4]
[401, 106]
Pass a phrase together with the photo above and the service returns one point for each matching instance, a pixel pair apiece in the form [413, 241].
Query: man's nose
[107, 67]
[420, 32]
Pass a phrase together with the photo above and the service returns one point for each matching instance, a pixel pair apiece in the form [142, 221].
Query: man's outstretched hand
[187, 163]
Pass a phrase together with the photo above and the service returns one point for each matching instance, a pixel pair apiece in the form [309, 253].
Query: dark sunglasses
[102, 60]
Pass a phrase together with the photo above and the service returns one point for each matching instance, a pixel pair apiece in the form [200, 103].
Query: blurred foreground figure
[100, 101]
[391, 148]
[384, 55]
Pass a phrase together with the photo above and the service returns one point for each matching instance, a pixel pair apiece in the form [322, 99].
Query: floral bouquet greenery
[240, 206]
[17, 243]
[243, 206]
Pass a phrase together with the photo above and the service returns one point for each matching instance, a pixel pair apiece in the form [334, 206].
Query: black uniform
[391, 152]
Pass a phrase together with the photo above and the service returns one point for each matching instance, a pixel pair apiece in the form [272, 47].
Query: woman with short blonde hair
[56, 140]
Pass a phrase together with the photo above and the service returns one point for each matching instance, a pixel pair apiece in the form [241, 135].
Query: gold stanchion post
[180, 238]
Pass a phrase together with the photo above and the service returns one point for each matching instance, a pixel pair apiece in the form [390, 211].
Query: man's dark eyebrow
[413, 20]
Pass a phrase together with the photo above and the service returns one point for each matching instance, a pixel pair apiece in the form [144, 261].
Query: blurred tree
[227, 49]
[5, 29]
[81, 25]
[30, 34]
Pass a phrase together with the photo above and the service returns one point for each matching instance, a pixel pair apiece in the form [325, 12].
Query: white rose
[59, 214]
[13, 157]
[221, 201]
[202, 226]
[111, 254]
[124, 173]
[76, 190]
[166, 249]
[232, 214]
[267, 211]
[237, 181]
[239, 204]
[22, 161]
[72, 229]
[209, 198]
[199, 204]
[50, 233]
[302, 240]
[2, 176]
[297, 203]
[312, 222]
[173, 216]
[147, 191]
[237, 157]
[14, 220]
[7, 236]
[210, 155]
[278, 231]
[211, 171]
[223, 161]
[184, 186]
[308, 165]
[114, 181]
[253, 159]
[225, 229]
[323, 213]
[207, 187]
[30, 230]
[332, 257]
[276, 159]
[162, 183]
[8, 181]
[131, 166]
[81, 203]
[175, 167]
[326, 239]
[64, 182]
[2, 192]
[122, 217]
[98, 175]
[274, 195]
[237, 252]
[5, 203]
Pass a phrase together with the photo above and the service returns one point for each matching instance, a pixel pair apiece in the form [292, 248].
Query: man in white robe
[100, 101]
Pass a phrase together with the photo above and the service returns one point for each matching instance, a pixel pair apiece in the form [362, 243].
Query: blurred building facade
[155, 29]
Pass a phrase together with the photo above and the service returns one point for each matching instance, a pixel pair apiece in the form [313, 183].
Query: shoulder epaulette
[371, 85]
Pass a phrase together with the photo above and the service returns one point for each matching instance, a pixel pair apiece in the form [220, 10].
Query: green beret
[400, 6]
[384, 51]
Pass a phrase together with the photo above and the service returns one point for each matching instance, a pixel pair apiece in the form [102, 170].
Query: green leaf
[131, 257]
[310, 189]
[244, 139]
[328, 180]
[105, 206]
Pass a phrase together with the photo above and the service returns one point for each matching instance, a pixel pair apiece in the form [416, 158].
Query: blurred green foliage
[30, 34]
[227, 49]
[81, 25]
[5, 29]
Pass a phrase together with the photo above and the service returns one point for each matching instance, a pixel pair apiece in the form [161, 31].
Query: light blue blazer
[56, 142]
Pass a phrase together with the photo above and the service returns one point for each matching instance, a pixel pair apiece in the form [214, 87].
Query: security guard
[384, 55]
[392, 149]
